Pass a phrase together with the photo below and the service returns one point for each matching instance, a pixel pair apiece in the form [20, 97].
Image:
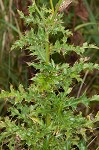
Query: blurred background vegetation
[81, 17]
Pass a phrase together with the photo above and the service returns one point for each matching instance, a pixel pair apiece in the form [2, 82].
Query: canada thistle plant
[42, 117]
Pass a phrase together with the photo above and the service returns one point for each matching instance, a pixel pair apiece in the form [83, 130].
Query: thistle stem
[56, 10]
[52, 7]
[47, 49]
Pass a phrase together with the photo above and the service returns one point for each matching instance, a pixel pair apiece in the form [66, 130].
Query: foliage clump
[43, 115]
